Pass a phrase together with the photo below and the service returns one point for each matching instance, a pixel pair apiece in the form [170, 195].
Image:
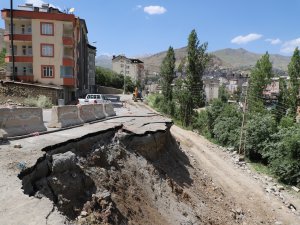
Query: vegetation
[260, 77]
[271, 140]
[41, 101]
[2, 57]
[107, 77]
[197, 59]
[167, 72]
[294, 73]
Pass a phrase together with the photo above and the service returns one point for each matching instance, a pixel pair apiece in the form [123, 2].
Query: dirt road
[239, 187]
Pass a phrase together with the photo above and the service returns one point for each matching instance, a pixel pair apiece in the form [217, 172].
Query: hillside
[229, 58]
[243, 58]
[104, 61]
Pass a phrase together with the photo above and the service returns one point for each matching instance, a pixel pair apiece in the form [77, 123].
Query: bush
[41, 101]
[284, 155]
[200, 123]
[259, 129]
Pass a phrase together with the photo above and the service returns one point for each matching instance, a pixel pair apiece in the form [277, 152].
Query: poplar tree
[294, 73]
[197, 60]
[167, 72]
[260, 77]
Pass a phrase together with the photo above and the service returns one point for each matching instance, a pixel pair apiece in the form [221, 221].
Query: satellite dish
[71, 10]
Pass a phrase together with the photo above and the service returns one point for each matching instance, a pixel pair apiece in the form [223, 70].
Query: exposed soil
[113, 184]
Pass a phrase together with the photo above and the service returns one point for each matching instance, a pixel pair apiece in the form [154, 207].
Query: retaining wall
[21, 121]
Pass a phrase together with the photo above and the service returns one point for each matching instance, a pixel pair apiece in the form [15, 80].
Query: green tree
[223, 94]
[184, 99]
[197, 60]
[259, 129]
[167, 71]
[260, 77]
[2, 57]
[294, 73]
[281, 107]
[284, 154]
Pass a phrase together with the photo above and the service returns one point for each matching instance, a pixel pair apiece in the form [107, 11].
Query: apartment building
[50, 47]
[133, 68]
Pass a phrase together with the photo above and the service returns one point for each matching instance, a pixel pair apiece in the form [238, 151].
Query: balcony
[69, 41]
[68, 62]
[69, 81]
[18, 37]
[21, 59]
[21, 76]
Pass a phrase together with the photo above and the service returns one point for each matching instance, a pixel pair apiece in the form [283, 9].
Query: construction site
[131, 166]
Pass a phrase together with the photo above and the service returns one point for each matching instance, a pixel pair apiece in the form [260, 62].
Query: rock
[280, 187]
[278, 223]
[63, 162]
[83, 214]
[17, 146]
[295, 189]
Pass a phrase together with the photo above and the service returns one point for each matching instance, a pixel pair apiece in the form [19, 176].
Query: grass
[261, 168]
[40, 101]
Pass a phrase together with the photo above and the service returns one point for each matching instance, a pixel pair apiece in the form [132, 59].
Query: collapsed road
[130, 170]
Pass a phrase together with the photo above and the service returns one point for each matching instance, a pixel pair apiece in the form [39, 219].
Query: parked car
[93, 99]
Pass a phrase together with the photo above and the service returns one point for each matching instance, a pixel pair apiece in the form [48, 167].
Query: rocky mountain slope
[228, 58]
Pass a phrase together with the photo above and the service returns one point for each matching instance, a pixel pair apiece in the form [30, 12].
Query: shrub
[259, 129]
[284, 155]
[41, 101]
[200, 123]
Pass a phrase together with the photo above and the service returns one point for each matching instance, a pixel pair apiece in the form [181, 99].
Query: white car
[92, 99]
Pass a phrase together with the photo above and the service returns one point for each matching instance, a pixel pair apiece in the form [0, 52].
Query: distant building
[51, 47]
[92, 69]
[133, 68]
[211, 87]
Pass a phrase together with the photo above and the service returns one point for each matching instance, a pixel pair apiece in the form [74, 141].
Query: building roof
[124, 57]
[92, 47]
[39, 13]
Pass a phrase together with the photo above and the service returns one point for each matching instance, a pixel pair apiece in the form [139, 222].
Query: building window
[47, 50]
[23, 29]
[24, 70]
[122, 65]
[29, 48]
[47, 71]
[24, 49]
[29, 29]
[47, 29]
[66, 71]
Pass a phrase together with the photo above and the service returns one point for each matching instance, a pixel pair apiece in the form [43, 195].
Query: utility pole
[242, 135]
[12, 39]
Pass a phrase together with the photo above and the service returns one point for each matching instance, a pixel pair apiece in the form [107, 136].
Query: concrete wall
[108, 90]
[27, 90]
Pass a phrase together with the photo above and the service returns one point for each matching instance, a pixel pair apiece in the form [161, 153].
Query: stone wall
[18, 89]
[108, 90]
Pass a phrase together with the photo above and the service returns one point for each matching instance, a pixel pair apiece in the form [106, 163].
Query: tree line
[270, 136]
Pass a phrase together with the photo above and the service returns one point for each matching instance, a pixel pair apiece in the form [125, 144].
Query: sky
[139, 27]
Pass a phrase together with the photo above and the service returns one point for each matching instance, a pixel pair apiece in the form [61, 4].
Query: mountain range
[226, 58]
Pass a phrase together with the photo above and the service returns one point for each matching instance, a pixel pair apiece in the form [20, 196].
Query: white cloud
[154, 9]
[289, 46]
[274, 41]
[139, 6]
[245, 39]
[38, 3]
